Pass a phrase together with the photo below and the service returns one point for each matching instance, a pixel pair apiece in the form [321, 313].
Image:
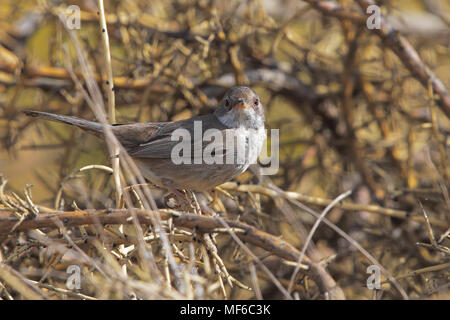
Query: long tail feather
[91, 126]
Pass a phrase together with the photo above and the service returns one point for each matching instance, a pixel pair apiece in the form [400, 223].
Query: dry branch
[400, 214]
[396, 42]
[201, 224]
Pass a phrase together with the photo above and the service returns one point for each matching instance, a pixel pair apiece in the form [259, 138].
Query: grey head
[241, 108]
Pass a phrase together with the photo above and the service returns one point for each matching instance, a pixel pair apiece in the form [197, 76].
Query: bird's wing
[132, 135]
[162, 141]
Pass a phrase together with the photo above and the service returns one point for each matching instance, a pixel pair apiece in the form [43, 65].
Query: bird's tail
[91, 126]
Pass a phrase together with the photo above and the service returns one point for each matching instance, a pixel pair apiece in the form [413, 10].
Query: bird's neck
[235, 120]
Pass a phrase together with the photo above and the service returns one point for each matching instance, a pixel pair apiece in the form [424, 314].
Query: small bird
[237, 126]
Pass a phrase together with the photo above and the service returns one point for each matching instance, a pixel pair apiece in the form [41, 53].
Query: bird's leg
[194, 202]
[180, 195]
[216, 203]
[216, 197]
[181, 198]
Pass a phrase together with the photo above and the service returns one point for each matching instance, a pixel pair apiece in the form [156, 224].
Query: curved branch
[202, 224]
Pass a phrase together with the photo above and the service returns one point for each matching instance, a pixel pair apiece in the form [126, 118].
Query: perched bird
[235, 133]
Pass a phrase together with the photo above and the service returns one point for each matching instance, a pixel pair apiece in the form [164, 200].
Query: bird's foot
[182, 201]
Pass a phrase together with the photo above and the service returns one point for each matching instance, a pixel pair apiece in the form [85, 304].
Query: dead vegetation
[364, 151]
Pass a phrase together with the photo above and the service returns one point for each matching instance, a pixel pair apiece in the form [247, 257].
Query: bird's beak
[241, 105]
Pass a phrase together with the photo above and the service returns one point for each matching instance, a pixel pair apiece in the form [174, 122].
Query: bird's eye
[256, 102]
[227, 102]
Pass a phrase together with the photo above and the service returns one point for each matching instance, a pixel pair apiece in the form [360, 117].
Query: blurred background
[351, 114]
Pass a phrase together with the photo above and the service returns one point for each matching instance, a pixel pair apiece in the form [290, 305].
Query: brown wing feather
[160, 144]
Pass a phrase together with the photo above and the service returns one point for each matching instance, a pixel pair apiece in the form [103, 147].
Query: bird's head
[241, 107]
